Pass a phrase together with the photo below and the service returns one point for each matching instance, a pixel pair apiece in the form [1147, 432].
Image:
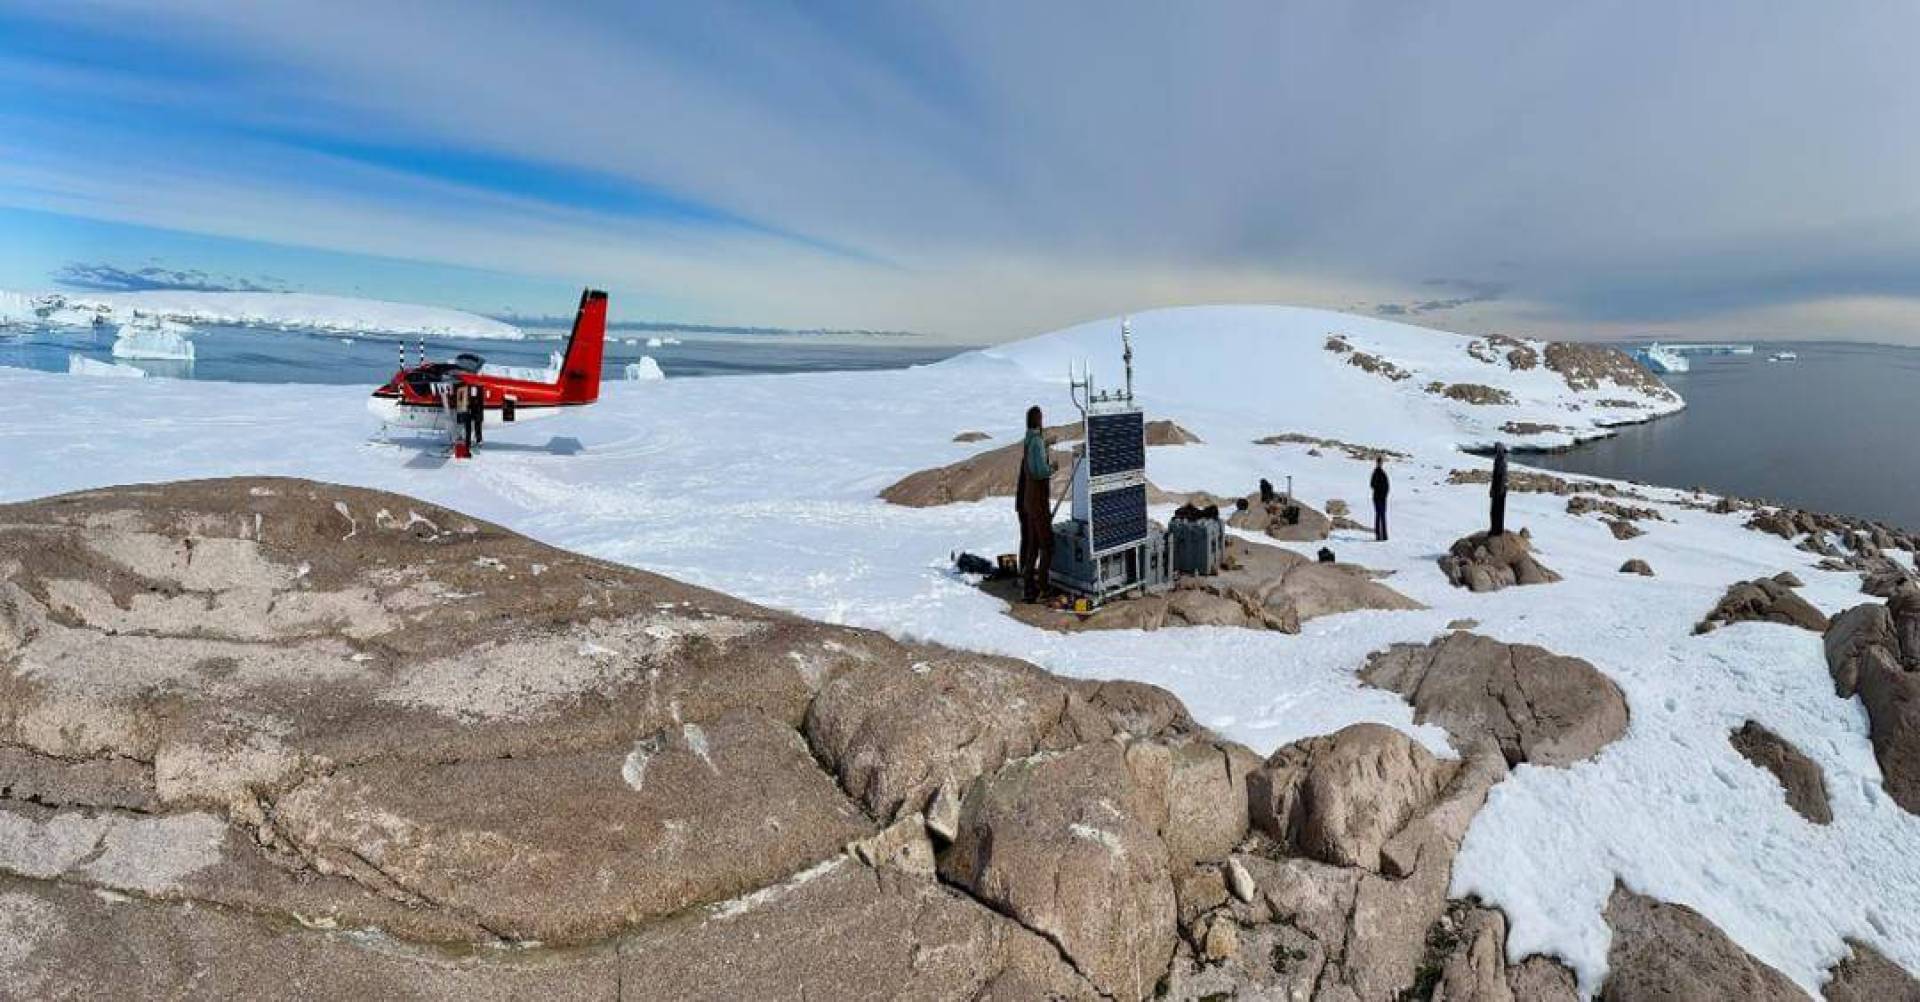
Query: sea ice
[166, 340]
[81, 365]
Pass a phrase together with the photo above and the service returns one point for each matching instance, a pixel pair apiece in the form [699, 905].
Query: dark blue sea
[1838, 430]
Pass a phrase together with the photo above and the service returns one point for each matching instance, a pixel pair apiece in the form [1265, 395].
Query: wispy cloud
[997, 168]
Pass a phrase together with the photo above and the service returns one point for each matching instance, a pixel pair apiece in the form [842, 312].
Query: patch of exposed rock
[993, 473]
[267, 737]
[1259, 587]
[1471, 393]
[1764, 600]
[1287, 520]
[1669, 951]
[1866, 975]
[1537, 706]
[1364, 453]
[1637, 566]
[1467, 963]
[1489, 563]
[1338, 344]
[1873, 651]
[971, 436]
[1800, 777]
[1278, 922]
[1532, 428]
[1583, 504]
[1588, 366]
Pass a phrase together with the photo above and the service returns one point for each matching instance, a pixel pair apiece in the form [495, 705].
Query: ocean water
[253, 355]
[1838, 430]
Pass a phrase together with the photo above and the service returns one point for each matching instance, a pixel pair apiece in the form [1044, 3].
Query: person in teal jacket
[1033, 500]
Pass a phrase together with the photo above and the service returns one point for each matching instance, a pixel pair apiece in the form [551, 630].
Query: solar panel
[1116, 443]
[1119, 517]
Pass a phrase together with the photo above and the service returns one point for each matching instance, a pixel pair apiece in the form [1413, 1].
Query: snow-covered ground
[293, 310]
[764, 487]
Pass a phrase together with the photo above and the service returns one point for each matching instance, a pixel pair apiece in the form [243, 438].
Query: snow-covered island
[283, 310]
[347, 736]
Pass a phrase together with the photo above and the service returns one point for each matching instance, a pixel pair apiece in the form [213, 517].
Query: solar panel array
[1119, 517]
[1116, 443]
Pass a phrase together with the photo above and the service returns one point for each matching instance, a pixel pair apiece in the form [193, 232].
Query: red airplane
[421, 397]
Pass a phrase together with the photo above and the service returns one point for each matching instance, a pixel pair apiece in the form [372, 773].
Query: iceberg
[163, 340]
[646, 369]
[654, 342]
[81, 365]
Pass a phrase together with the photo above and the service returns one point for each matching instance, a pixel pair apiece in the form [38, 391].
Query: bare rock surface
[1873, 651]
[1467, 962]
[1637, 566]
[1800, 777]
[1668, 951]
[845, 931]
[1065, 844]
[267, 737]
[1537, 706]
[1340, 797]
[1766, 600]
[1866, 975]
[1290, 521]
[1259, 587]
[1363, 453]
[1489, 563]
[1305, 928]
[994, 473]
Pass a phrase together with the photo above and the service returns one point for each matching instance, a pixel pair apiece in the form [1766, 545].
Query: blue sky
[986, 170]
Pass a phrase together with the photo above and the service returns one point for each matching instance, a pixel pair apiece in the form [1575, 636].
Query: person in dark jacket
[477, 413]
[1498, 490]
[1380, 488]
[1033, 500]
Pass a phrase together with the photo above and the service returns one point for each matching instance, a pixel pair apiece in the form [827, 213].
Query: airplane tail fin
[580, 368]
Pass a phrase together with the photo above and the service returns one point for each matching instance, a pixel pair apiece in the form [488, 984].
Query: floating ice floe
[654, 342]
[163, 339]
[81, 365]
[645, 369]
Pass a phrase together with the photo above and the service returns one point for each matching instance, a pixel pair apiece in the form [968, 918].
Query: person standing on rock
[1498, 491]
[1380, 488]
[1033, 500]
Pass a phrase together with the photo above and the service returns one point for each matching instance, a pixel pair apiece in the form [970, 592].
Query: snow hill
[766, 487]
[1360, 379]
[291, 310]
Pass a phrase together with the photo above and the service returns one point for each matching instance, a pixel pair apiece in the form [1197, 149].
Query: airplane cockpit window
[469, 361]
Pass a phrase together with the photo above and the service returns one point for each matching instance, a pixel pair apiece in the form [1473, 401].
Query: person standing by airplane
[1033, 500]
[476, 415]
[462, 417]
[1380, 488]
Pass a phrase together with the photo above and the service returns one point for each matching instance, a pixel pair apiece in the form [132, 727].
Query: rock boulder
[1539, 707]
[1489, 563]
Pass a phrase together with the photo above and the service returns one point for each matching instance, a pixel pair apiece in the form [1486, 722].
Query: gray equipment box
[1198, 545]
[1141, 567]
